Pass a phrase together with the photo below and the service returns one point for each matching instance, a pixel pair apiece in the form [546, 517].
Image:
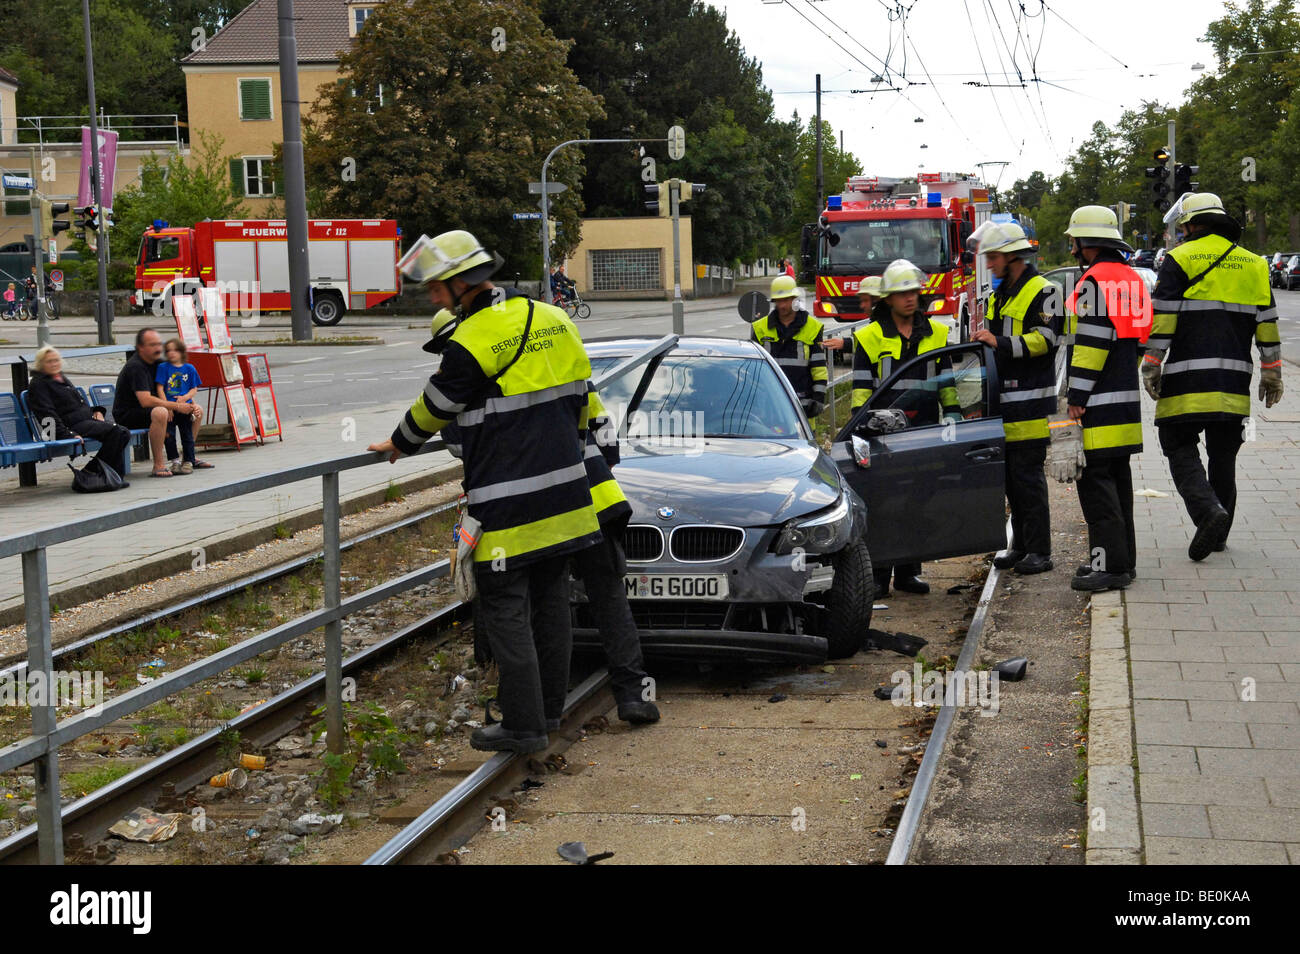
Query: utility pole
[1171, 171]
[820, 200]
[103, 306]
[679, 307]
[295, 183]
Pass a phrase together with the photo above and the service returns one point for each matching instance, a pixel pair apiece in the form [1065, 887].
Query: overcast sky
[1144, 50]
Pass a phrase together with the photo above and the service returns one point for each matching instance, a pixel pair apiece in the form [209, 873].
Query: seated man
[60, 412]
[136, 406]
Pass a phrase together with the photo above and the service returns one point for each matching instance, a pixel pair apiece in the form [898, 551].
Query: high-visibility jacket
[1204, 330]
[797, 348]
[1111, 311]
[879, 350]
[522, 428]
[1025, 316]
[601, 455]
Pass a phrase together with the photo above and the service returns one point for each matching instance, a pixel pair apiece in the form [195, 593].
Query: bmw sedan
[748, 539]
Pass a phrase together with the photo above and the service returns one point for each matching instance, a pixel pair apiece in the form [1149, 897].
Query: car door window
[960, 376]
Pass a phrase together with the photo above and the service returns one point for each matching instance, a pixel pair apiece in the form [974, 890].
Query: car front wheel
[852, 593]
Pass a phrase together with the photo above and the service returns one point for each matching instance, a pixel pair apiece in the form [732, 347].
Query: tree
[444, 115]
[182, 191]
[837, 166]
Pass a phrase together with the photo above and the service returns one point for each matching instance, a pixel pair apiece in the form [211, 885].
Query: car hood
[738, 481]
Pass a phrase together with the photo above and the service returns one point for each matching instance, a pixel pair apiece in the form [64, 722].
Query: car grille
[643, 544]
[656, 614]
[705, 544]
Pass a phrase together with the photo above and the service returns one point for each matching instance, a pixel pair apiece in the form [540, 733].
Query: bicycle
[53, 307]
[573, 305]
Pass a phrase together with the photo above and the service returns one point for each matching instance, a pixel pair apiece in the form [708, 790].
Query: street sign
[676, 142]
[527, 215]
[552, 188]
[19, 182]
[56, 277]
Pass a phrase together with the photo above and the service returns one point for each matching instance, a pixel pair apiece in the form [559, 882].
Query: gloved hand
[813, 409]
[1065, 457]
[1270, 384]
[1151, 371]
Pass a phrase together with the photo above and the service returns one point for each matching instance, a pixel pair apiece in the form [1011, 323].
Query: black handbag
[96, 477]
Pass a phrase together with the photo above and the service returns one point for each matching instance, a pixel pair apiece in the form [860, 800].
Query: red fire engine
[353, 265]
[876, 220]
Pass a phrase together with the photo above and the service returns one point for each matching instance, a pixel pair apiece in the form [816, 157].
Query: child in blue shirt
[178, 381]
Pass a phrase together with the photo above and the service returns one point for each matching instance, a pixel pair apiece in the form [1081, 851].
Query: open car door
[936, 490]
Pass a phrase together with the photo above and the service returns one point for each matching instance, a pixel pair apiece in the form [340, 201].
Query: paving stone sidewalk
[23, 509]
[1214, 653]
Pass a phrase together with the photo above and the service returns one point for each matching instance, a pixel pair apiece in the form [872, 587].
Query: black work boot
[638, 712]
[911, 584]
[1210, 533]
[1099, 580]
[1009, 559]
[494, 738]
[1033, 563]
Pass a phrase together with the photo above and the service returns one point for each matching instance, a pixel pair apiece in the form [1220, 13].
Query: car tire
[852, 593]
[327, 309]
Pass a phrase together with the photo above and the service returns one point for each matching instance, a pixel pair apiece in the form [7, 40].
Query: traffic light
[50, 226]
[687, 189]
[88, 223]
[1183, 178]
[661, 205]
[1160, 173]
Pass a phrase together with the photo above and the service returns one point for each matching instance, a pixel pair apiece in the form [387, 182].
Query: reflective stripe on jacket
[1025, 318]
[526, 482]
[1203, 331]
[601, 454]
[798, 350]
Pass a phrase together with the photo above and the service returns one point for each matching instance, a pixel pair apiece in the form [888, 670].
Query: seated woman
[61, 413]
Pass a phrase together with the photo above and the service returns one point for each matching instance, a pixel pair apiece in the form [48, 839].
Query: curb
[1114, 827]
[181, 558]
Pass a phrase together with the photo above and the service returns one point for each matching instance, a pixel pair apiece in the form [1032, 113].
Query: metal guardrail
[42, 746]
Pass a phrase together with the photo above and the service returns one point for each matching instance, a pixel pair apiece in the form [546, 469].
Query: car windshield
[702, 396]
[865, 248]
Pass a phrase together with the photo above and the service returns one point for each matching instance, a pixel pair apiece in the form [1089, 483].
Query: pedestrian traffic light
[1183, 178]
[50, 226]
[1160, 175]
[662, 205]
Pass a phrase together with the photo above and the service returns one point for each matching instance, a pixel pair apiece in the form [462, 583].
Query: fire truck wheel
[327, 309]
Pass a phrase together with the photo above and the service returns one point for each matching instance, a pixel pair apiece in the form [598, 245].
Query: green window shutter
[255, 99]
[237, 176]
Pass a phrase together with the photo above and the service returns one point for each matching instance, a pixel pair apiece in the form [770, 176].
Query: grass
[1081, 748]
[85, 782]
[282, 532]
[393, 493]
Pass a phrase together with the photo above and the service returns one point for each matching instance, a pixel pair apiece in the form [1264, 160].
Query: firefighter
[901, 331]
[1211, 299]
[794, 338]
[1111, 310]
[514, 378]
[601, 569]
[1022, 326]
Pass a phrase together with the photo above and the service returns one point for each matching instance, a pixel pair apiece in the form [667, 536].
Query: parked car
[1143, 258]
[749, 540]
[1291, 273]
[1277, 267]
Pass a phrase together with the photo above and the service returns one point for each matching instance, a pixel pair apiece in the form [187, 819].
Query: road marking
[398, 344]
[309, 405]
[359, 351]
[308, 360]
[431, 364]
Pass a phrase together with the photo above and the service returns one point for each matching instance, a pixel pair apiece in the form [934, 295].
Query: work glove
[1065, 458]
[813, 409]
[1270, 384]
[1151, 371]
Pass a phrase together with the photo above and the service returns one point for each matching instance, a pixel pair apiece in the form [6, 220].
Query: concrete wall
[641, 232]
[212, 93]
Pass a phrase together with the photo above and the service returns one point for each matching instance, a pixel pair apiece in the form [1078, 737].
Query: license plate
[676, 586]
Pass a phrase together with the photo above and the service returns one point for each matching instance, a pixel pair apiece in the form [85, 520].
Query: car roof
[687, 344]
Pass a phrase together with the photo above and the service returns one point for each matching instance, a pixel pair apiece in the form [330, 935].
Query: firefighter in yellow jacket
[900, 331]
[514, 378]
[794, 338]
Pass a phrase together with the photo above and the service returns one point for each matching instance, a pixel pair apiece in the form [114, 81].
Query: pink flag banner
[107, 158]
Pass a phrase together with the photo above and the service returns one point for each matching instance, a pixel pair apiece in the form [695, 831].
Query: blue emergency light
[159, 224]
[933, 199]
[835, 202]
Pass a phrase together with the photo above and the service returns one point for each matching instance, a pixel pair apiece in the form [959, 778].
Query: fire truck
[876, 220]
[353, 265]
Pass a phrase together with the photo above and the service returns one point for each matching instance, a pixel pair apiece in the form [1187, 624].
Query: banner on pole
[106, 156]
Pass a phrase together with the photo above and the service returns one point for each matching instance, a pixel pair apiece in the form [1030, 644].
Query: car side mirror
[861, 451]
[885, 421]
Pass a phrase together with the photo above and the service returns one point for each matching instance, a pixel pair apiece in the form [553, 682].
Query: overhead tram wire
[988, 81]
[1058, 16]
[855, 59]
[907, 40]
[995, 27]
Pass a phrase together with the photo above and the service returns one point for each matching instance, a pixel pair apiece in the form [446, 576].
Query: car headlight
[826, 531]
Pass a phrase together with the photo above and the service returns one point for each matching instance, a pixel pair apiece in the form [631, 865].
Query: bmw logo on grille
[666, 512]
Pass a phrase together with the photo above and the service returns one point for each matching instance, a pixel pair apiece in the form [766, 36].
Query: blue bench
[89, 445]
[102, 395]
